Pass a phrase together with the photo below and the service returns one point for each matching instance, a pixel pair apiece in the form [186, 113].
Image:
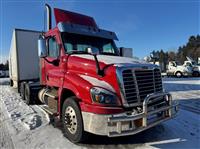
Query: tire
[27, 94]
[195, 74]
[11, 82]
[72, 121]
[179, 74]
[22, 90]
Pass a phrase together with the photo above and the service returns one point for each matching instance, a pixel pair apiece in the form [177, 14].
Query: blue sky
[143, 25]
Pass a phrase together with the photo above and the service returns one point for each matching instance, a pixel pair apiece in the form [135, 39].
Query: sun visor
[74, 18]
[85, 30]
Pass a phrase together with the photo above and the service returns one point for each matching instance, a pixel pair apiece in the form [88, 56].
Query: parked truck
[195, 66]
[173, 69]
[84, 82]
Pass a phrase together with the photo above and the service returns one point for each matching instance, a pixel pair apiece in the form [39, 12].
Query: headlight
[102, 96]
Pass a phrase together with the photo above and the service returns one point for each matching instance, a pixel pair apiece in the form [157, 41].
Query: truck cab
[195, 67]
[86, 84]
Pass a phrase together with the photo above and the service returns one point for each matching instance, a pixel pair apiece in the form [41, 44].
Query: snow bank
[29, 116]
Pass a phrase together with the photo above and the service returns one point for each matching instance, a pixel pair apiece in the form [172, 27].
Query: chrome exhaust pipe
[48, 11]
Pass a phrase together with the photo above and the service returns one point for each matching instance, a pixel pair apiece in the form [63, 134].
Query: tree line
[190, 49]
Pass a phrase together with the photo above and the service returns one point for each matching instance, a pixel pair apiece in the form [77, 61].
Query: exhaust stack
[48, 11]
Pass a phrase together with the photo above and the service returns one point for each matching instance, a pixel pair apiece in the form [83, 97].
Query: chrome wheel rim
[178, 74]
[71, 120]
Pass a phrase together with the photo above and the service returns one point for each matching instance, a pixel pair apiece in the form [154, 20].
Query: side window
[53, 50]
[188, 64]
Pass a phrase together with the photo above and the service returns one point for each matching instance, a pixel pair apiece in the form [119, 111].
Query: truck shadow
[180, 79]
[164, 135]
[140, 138]
[192, 105]
[4, 81]
[180, 87]
[181, 84]
[155, 137]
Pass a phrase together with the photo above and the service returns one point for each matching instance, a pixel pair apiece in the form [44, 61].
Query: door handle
[47, 77]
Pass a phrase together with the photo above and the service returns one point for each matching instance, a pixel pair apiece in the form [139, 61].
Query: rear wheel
[27, 94]
[11, 82]
[179, 74]
[72, 121]
[195, 74]
[22, 90]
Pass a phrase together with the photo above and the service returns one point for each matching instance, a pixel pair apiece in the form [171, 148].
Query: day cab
[86, 84]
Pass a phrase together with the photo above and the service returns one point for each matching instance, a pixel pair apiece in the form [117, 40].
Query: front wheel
[72, 121]
[179, 74]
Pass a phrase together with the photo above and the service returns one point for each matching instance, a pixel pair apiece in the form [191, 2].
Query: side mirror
[42, 51]
[92, 50]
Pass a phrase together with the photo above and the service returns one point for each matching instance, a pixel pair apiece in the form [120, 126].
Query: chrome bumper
[128, 124]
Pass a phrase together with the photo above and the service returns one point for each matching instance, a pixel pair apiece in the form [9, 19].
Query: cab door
[52, 63]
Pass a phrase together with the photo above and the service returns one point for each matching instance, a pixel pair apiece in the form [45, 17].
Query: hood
[189, 59]
[112, 59]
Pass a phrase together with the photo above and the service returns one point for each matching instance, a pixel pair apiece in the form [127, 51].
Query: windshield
[75, 42]
[195, 63]
[189, 64]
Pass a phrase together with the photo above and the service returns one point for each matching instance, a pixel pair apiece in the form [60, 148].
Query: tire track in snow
[22, 115]
[5, 138]
[17, 119]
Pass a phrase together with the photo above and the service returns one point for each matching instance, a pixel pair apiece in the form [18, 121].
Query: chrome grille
[144, 81]
[158, 80]
[129, 86]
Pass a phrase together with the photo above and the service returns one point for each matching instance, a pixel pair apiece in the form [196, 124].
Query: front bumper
[130, 123]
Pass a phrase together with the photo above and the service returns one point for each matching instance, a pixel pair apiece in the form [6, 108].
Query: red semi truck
[83, 81]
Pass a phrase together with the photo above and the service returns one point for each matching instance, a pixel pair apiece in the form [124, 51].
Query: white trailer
[23, 58]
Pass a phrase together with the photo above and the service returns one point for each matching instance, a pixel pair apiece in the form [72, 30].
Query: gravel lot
[23, 126]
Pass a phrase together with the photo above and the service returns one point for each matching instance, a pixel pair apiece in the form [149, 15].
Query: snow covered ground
[23, 126]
